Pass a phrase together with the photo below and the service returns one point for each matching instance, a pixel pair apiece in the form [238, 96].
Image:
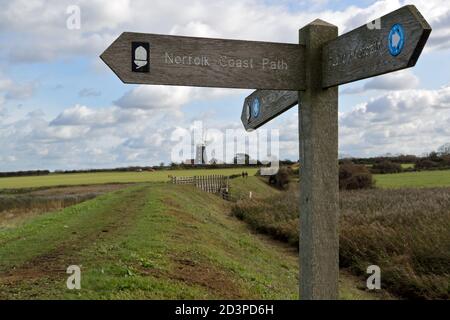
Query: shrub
[282, 178]
[425, 164]
[386, 166]
[352, 176]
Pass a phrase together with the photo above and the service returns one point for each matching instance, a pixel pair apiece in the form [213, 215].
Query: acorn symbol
[140, 57]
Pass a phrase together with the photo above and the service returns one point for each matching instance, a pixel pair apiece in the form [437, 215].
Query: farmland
[438, 178]
[419, 179]
[110, 177]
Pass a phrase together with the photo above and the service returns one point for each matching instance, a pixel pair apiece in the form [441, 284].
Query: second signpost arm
[319, 189]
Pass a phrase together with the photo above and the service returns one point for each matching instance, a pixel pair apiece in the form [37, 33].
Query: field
[421, 179]
[397, 180]
[155, 240]
[407, 165]
[111, 177]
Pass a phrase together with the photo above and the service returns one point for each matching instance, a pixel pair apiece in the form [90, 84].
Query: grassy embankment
[154, 241]
[148, 241]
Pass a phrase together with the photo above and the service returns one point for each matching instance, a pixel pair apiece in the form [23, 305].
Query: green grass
[151, 241]
[157, 241]
[422, 179]
[407, 165]
[240, 188]
[110, 177]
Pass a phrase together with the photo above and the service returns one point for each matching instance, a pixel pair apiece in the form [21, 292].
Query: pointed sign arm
[369, 51]
[206, 62]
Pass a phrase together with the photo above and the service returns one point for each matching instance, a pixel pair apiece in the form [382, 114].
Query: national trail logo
[396, 39]
[140, 57]
[255, 108]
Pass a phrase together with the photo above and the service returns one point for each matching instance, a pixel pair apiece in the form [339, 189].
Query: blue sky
[62, 108]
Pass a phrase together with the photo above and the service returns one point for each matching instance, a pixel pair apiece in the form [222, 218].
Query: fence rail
[210, 183]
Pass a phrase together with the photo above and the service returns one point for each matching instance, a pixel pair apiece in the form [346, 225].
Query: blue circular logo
[255, 108]
[396, 39]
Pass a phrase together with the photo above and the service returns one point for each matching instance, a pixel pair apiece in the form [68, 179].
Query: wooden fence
[211, 183]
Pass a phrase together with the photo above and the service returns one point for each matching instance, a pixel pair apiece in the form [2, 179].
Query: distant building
[189, 161]
[241, 158]
[200, 154]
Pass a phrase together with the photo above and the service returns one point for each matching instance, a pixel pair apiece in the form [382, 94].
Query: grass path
[151, 241]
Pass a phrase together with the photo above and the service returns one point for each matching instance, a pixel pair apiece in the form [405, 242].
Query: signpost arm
[319, 189]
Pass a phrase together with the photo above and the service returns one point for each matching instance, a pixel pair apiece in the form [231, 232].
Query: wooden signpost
[308, 72]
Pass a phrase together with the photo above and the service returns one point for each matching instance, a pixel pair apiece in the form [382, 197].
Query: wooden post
[319, 189]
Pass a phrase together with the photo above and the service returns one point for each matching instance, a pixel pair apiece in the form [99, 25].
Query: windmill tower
[200, 152]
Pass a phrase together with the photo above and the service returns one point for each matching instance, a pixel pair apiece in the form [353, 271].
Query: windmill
[200, 151]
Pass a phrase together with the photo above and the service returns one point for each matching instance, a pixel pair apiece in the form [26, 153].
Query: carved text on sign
[356, 54]
[226, 62]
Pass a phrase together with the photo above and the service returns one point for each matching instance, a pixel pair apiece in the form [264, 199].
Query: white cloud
[401, 80]
[169, 98]
[408, 122]
[412, 121]
[155, 97]
[38, 30]
[82, 137]
[13, 90]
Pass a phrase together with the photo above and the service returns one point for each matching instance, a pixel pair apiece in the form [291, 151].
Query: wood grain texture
[272, 104]
[319, 188]
[364, 52]
[219, 57]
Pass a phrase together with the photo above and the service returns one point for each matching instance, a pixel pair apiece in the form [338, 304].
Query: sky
[62, 108]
